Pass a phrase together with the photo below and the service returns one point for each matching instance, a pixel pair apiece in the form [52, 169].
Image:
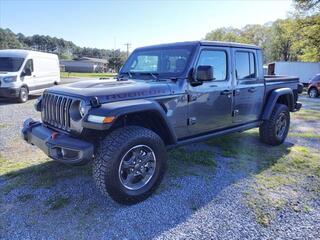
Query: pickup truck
[164, 96]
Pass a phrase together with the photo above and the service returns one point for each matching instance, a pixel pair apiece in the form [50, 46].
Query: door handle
[252, 89]
[237, 92]
[226, 92]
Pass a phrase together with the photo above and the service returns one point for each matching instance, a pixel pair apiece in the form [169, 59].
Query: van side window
[245, 65]
[218, 60]
[29, 64]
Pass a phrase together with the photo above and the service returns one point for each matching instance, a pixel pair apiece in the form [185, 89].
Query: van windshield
[10, 64]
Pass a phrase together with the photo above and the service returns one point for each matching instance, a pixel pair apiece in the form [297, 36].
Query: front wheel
[129, 164]
[275, 130]
[23, 95]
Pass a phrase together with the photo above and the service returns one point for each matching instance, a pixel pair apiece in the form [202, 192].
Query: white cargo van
[24, 72]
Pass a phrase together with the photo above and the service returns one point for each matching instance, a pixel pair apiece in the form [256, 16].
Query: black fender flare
[121, 108]
[273, 98]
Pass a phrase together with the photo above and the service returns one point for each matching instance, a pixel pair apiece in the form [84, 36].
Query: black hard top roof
[204, 43]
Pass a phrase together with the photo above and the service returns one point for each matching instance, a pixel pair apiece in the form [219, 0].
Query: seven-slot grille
[55, 110]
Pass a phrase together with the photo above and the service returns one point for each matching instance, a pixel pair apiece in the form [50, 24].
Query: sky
[110, 24]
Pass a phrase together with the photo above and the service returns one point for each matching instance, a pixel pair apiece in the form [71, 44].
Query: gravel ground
[188, 206]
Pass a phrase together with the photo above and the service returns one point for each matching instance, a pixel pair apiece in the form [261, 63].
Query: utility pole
[128, 46]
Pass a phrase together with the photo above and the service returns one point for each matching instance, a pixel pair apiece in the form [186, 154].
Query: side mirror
[26, 72]
[204, 73]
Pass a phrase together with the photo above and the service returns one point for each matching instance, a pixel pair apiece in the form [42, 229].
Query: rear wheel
[129, 164]
[275, 130]
[23, 95]
[313, 93]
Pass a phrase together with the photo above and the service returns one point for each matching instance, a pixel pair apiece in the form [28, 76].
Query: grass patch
[40, 174]
[57, 202]
[308, 135]
[307, 115]
[180, 160]
[286, 184]
[3, 125]
[247, 151]
[87, 75]
[10, 168]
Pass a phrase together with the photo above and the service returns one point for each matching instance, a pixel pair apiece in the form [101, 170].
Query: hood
[113, 90]
[8, 74]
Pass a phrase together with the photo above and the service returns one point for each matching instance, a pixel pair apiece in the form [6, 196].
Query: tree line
[296, 38]
[63, 48]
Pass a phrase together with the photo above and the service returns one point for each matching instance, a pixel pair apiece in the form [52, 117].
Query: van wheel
[23, 95]
[129, 164]
[275, 130]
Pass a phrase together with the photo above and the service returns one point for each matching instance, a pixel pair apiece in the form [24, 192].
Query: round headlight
[78, 109]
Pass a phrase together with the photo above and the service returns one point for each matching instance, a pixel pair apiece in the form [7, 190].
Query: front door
[210, 104]
[28, 80]
[249, 89]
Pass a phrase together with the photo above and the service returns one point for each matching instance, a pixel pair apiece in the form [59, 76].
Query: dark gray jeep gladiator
[164, 96]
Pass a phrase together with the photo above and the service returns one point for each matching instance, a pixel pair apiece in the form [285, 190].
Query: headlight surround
[38, 104]
[78, 110]
[83, 108]
[9, 79]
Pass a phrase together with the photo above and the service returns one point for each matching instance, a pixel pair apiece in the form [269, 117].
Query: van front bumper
[57, 146]
[9, 92]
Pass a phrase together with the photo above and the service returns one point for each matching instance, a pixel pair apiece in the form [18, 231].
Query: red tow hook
[54, 135]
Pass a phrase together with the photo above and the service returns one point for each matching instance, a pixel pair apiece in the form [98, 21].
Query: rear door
[249, 85]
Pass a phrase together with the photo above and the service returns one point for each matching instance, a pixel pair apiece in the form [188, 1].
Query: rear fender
[285, 93]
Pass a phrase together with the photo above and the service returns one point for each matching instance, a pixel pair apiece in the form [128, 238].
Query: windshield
[10, 64]
[162, 61]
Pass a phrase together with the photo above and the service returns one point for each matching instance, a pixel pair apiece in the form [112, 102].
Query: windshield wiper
[120, 77]
[154, 75]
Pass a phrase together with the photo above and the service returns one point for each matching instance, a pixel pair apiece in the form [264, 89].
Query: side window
[245, 65]
[218, 60]
[29, 64]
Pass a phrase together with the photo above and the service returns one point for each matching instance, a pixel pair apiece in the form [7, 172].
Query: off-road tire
[23, 95]
[109, 153]
[268, 130]
[313, 92]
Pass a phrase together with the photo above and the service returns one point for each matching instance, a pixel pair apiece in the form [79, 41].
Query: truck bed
[279, 81]
[280, 78]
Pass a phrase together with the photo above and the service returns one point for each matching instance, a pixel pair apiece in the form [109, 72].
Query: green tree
[283, 33]
[226, 35]
[116, 60]
[8, 39]
[307, 6]
[308, 41]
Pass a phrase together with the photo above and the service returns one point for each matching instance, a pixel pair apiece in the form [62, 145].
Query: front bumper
[57, 146]
[9, 92]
